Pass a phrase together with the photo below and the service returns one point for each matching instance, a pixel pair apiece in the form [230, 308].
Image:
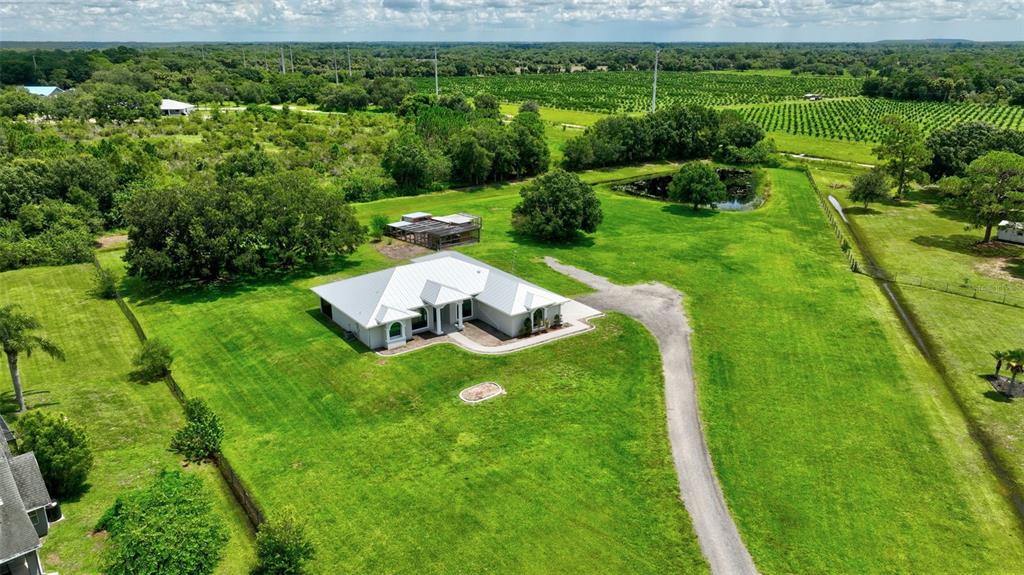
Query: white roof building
[45, 91]
[436, 293]
[175, 108]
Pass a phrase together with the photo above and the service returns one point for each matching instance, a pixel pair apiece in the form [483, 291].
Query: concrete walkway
[575, 319]
[660, 309]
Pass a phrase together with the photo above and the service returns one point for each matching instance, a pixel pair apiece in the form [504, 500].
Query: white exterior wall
[1010, 234]
[509, 325]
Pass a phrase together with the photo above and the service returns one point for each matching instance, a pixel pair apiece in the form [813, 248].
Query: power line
[654, 87]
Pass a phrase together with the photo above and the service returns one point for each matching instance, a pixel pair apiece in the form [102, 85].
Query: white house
[45, 91]
[435, 293]
[175, 108]
[1012, 232]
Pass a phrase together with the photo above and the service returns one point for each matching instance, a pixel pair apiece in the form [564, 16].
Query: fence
[1009, 297]
[238, 490]
[844, 245]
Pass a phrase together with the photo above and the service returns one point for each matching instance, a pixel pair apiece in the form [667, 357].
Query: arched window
[538, 317]
[395, 330]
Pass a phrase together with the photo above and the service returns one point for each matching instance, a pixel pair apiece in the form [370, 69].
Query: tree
[903, 150]
[1015, 363]
[869, 187]
[697, 183]
[343, 98]
[122, 103]
[61, 448]
[153, 361]
[168, 526]
[388, 93]
[200, 438]
[529, 106]
[1000, 356]
[378, 224]
[282, 547]
[487, 106]
[16, 338]
[556, 206]
[471, 162]
[991, 191]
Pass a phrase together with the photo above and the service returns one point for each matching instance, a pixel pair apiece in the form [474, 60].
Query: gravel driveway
[660, 309]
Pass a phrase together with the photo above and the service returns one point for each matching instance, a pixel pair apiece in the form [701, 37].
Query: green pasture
[922, 241]
[836, 446]
[129, 424]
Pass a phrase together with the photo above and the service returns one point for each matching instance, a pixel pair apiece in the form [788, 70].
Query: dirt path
[660, 309]
[107, 241]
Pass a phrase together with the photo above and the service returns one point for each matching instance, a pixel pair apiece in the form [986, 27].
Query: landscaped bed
[481, 392]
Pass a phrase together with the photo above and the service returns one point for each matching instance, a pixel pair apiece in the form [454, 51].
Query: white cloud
[486, 19]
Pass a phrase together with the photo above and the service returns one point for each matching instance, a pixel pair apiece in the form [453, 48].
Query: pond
[740, 186]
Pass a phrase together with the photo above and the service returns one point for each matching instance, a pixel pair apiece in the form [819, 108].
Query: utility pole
[654, 89]
[291, 57]
[334, 62]
[244, 65]
[348, 50]
[282, 60]
[437, 87]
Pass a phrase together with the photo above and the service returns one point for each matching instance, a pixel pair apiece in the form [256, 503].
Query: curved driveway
[660, 309]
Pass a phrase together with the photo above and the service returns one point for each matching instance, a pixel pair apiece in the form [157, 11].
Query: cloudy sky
[509, 20]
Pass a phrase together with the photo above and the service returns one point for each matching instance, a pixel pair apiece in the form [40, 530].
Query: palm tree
[16, 338]
[1000, 357]
[1015, 361]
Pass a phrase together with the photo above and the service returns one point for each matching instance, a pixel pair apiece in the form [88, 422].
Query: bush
[201, 436]
[153, 361]
[556, 206]
[61, 447]
[104, 284]
[378, 223]
[167, 527]
[281, 545]
[529, 106]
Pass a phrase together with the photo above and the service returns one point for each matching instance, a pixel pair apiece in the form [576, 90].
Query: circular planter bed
[481, 392]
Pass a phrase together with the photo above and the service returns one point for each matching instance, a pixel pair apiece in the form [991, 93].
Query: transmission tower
[437, 87]
[334, 62]
[654, 87]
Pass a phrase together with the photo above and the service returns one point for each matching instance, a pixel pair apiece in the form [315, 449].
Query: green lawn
[837, 450]
[129, 425]
[844, 150]
[920, 238]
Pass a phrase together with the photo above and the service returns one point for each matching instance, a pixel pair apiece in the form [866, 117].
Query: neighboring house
[436, 232]
[175, 108]
[24, 502]
[45, 91]
[1012, 232]
[435, 293]
[813, 97]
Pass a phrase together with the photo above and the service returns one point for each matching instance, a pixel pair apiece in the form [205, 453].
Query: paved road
[660, 308]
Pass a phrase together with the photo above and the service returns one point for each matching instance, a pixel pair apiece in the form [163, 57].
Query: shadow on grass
[356, 345]
[861, 211]
[579, 241]
[997, 397]
[142, 292]
[1015, 267]
[968, 245]
[688, 211]
[9, 405]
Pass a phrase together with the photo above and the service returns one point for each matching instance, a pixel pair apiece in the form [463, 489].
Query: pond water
[739, 186]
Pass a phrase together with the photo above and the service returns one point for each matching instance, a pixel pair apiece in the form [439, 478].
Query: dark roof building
[24, 501]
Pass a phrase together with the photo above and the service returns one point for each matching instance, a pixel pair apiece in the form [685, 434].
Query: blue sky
[509, 20]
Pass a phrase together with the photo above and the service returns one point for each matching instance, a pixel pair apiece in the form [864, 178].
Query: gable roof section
[168, 104]
[43, 90]
[17, 535]
[29, 480]
[389, 295]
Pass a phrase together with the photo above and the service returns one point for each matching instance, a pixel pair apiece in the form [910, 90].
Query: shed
[175, 108]
[1011, 232]
[45, 91]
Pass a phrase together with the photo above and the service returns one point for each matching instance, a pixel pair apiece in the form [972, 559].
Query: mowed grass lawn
[922, 238]
[129, 425]
[836, 449]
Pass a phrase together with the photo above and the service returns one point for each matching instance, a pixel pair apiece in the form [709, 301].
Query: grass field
[843, 150]
[837, 450]
[129, 425]
[922, 238]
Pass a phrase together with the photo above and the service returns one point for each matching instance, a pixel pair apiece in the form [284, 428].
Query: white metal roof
[455, 219]
[416, 215]
[397, 293]
[43, 90]
[400, 224]
[166, 104]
